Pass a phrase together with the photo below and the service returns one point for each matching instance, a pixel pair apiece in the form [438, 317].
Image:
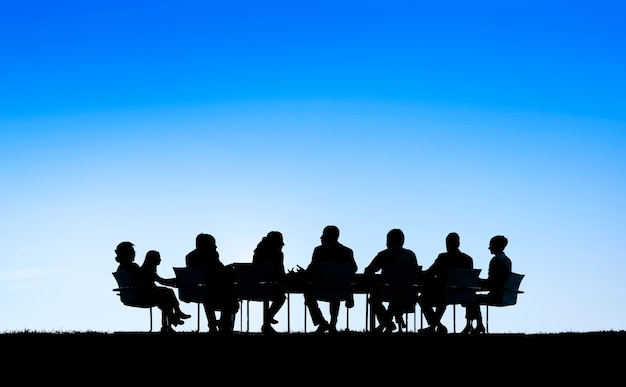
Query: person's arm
[374, 266]
[165, 281]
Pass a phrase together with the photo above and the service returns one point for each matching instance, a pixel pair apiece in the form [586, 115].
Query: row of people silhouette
[330, 250]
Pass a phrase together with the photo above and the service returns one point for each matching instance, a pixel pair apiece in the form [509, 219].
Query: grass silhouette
[296, 358]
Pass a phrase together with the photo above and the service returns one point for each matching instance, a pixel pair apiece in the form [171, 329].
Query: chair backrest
[461, 286]
[331, 281]
[257, 281]
[129, 294]
[399, 283]
[193, 284]
[510, 290]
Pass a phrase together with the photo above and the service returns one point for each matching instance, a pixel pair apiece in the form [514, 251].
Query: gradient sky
[153, 121]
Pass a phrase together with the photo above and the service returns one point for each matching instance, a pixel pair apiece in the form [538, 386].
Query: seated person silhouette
[146, 278]
[394, 254]
[270, 250]
[500, 267]
[221, 281]
[431, 300]
[329, 251]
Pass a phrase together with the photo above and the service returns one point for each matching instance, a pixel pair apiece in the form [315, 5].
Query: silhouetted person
[394, 254]
[330, 251]
[500, 267]
[146, 278]
[221, 281]
[431, 300]
[270, 251]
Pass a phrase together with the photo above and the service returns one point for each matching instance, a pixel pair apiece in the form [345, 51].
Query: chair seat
[131, 295]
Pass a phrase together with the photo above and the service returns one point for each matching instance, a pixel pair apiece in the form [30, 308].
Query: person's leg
[210, 316]
[480, 328]
[165, 324]
[227, 321]
[382, 314]
[334, 307]
[275, 306]
[270, 312]
[168, 297]
[429, 312]
[439, 311]
[314, 310]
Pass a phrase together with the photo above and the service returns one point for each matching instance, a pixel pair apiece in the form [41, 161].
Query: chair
[193, 286]
[398, 284]
[509, 295]
[131, 295]
[460, 288]
[256, 282]
[331, 282]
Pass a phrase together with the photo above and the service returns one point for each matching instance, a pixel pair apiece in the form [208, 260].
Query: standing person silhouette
[270, 250]
[431, 301]
[221, 281]
[500, 266]
[146, 278]
[394, 254]
[329, 251]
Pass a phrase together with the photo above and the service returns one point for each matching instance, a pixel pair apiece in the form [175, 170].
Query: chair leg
[454, 318]
[198, 330]
[150, 319]
[240, 315]
[366, 314]
[305, 309]
[288, 313]
[487, 318]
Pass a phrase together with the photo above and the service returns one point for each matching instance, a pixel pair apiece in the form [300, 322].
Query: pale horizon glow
[151, 122]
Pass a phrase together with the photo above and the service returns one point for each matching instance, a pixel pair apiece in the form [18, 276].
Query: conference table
[461, 288]
[296, 284]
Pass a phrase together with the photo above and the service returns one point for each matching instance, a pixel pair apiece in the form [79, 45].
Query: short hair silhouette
[330, 233]
[453, 240]
[498, 243]
[125, 252]
[395, 238]
[204, 240]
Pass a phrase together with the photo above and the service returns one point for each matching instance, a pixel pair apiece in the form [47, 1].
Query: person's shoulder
[346, 248]
[409, 252]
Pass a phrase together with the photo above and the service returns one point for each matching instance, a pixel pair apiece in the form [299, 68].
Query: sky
[153, 121]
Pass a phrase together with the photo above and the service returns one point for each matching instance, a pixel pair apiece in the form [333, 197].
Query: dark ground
[298, 359]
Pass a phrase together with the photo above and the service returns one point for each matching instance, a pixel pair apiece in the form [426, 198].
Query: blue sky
[152, 122]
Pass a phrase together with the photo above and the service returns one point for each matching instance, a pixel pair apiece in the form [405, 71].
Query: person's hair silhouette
[270, 251]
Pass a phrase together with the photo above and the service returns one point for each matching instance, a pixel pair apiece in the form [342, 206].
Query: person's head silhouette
[453, 241]
[205, 242]
[152, 259]
[125, 252]
[395, 238]
[497, 244]
[330, 234]
[275, 239]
